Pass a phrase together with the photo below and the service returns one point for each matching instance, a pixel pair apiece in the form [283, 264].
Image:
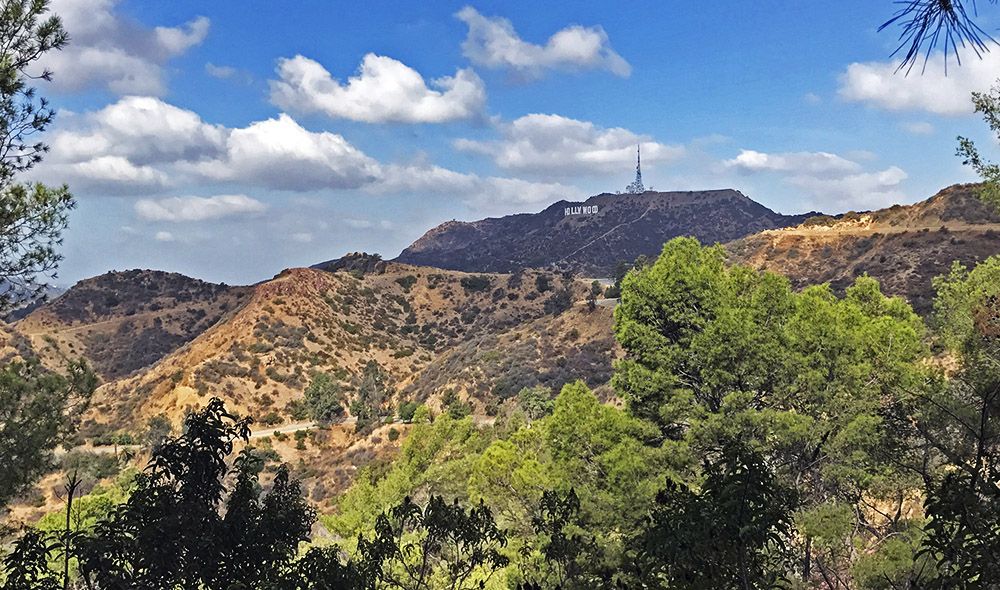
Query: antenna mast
[636, 188]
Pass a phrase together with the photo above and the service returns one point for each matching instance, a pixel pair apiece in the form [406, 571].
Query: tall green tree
[38, 409]
[961, 423]
[32, 217]
[324, 399]
[812, 381]
[438, 545]
[180, 528]
[374, 392]
[732, 532]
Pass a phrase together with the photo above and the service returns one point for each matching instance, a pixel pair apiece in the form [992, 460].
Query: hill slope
[904, 247]
[306, 321]
[124, 321]
[623, 228]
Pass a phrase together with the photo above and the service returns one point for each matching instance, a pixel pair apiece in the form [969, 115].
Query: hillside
[624, 227]
[305, 321]
[124, 321]
[904, 247]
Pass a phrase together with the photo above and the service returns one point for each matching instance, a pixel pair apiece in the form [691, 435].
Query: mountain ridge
[591, 237]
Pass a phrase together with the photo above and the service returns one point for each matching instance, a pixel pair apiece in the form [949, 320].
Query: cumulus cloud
[383, 91]
[864, 190]
[830, 182]
[879, 85]
[553, 145]
[142, 129]
[163, 236]
[281, 154]
[128, 147]
[112, 52]
[141, 144]
[492, 42]
[181, 209]
[114, 174]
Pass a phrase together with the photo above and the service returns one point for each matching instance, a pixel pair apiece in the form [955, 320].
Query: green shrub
[270, 419]
[324, 399]
[406, 410]
[476, 283]
[407, 282]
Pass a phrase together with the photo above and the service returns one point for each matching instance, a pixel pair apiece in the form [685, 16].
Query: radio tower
[636, 187]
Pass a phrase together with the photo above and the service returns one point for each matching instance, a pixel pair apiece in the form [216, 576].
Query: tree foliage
[179, 527]
[414, 545]
[32, 217]
[926, 25]
[988, 105]
[325, 399]
[38, 409]
[733, 532]
[374, 392]
[817, 384]
[961, 422]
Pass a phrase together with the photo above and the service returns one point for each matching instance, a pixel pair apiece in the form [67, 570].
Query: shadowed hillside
[624, 227]
[124, 321]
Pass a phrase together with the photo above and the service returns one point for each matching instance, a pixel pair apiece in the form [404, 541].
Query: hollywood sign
[582, 210]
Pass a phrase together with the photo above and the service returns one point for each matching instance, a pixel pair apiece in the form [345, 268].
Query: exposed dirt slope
[904, 247]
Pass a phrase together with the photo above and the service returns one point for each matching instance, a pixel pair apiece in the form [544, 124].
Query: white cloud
[302, 237]
[812, 98]
[865, 190]
[141, 143]
[917, 128]
[830, 182]
[878, 84]
[180, 209]
[112, 52]
[552, 145]
[492, 42]
[116, 173]
[164, 236]
[281, 154]
[810, 163]
[142, 129]
[384, 90]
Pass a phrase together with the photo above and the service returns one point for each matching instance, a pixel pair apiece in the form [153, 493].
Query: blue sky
[231, 139]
